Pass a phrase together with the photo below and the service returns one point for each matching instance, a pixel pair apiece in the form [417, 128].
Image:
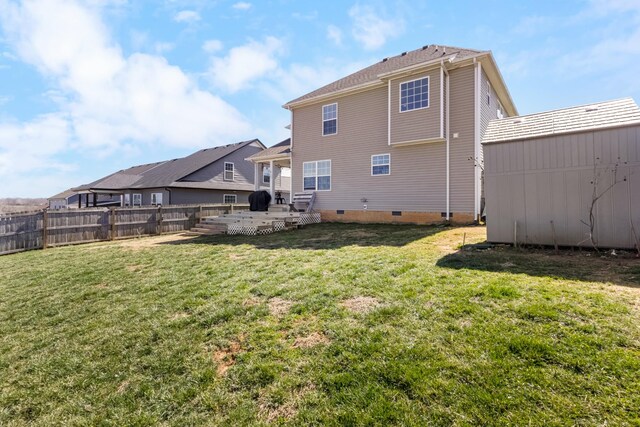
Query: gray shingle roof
[63, 195]
[163, 174]
[600, 115]
[394, 63]
[283, 147]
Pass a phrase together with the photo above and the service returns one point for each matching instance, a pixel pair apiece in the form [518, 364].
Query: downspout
[168, 190]
[448, 132]
[476, 151]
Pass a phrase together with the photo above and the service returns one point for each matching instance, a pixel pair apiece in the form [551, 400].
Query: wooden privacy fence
[48, 228]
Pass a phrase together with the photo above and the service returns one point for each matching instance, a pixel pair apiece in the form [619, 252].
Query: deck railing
[47, 228]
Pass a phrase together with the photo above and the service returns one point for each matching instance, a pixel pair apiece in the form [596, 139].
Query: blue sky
[88, 88]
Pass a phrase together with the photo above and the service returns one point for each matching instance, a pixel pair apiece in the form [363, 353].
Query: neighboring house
[542, 170]
[212, 175]
[64, 200]
[399, 141]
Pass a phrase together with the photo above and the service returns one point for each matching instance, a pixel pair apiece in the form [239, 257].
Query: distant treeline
[20, 204]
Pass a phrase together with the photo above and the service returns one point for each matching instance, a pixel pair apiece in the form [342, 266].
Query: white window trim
[233, 171]
[428, 94]
[336, 119]
[316, 174]
[154, 199]
[136, 196]
[265, 167]
[224, 198]
[388, 164]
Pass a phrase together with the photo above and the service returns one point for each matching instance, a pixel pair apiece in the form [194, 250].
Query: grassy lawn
[330, 325]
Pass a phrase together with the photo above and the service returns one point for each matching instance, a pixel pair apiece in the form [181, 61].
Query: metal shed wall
[532, 183]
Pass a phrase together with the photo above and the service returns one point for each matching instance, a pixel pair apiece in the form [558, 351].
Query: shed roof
[406, 59]
[621, 112]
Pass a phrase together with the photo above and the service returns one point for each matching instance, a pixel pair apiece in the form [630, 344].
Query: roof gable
[387, 65]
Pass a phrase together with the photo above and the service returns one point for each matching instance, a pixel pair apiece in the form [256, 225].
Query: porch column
[79, 200]
[95, 200]
[256, 176]
[272, 181]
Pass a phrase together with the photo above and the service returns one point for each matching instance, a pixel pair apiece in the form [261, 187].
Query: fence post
[199, 217]
[159, 219]
[45, 219]
[112, 223]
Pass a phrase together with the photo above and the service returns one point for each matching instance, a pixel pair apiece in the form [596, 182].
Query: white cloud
[334, 34]
[107, 101]
[241, 5]
[212, 46]
[371, 30]
[187, 16]
[245, 64]
[163, 47]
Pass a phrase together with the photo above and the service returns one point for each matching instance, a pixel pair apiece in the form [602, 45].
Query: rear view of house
[399, 141]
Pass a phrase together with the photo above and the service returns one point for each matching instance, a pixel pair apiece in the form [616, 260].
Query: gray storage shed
[545, 173]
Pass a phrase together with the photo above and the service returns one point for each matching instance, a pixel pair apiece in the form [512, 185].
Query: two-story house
[399, 141]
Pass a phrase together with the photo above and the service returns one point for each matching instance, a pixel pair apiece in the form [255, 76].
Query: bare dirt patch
[226, 357]
[279, 307]
[179, 315]
[312, 340]
[361, 304]
[102, 286]
[123, 386]
[287, 410]
[134, 268]
[361, 234]
[252, 302]
[150, 242]
[237, 257]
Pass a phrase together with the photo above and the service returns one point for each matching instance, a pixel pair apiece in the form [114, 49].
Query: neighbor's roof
[394, 63]
[601, 115]
[166, 173]
[64, 195]
[281, 148]
[176, 169]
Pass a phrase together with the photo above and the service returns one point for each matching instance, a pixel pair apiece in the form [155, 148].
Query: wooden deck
[254, 223]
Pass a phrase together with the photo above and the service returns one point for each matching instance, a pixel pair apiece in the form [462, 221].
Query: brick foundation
[388, 217]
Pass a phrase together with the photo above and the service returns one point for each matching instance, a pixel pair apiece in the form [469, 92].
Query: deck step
[206, 231]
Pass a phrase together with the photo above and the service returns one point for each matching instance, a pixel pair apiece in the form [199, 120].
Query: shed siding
[531, 183]
[417, 124]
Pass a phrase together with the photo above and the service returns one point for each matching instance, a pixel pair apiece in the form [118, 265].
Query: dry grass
[361, 304]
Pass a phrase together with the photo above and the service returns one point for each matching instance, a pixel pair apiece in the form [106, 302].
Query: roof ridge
[628, 98]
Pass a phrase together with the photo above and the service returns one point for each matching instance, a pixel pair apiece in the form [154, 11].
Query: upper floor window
[330, 119]
[266, 174]
[229, 171]
[317, 175]
[414, 94]
[381, 164]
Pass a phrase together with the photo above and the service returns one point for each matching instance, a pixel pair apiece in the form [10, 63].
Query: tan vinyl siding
[462, 111]
[417, 124]
[531, 183]
[417, 179]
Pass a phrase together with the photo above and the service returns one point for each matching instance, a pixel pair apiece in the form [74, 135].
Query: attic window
[591, 109]
[229, 171]
[519, 120]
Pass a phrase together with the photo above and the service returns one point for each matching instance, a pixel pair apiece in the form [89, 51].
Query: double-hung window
[266, 174]
[156, 198]
[381, 164]
[414, 94]
[127, 199]
[137, 199]
[317, 175]
[229, 171]
[230, 198]
[330, 119]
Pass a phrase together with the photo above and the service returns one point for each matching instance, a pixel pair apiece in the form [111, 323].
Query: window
[381, 164]
[156, 198]
[414, 94]
[488, 93]
[317, 175]
[229, 171]
[230, 198]
[127, 199]
[137, 199]
[330, 119]
[266, 174]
